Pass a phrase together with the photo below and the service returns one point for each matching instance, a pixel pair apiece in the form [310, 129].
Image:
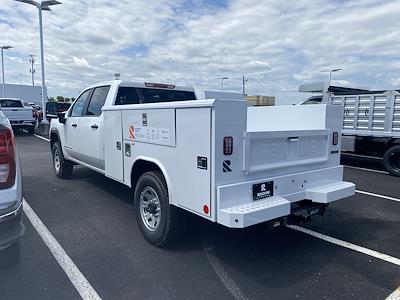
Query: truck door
[71, 124]
[89, 141]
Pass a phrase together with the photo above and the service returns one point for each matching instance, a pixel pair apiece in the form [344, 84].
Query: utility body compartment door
[192, 167]
[177, 140]
[113, 145]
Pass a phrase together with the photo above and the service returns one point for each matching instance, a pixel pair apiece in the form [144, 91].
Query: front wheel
[158, 221]
[391, 160]
[62, 167]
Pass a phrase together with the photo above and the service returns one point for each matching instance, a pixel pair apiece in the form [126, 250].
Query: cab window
[127, 95]
[79, 104]
[159, 95]
[97, 101]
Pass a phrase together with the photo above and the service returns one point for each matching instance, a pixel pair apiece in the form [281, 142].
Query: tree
[60, 99]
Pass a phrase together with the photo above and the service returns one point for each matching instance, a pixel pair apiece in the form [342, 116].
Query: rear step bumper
[330, 192]
[275, 207]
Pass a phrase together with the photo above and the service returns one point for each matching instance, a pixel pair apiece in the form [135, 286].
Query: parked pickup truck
[20, 116]
[216, 158]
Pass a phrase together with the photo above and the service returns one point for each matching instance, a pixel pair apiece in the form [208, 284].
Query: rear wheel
[62, 167]
[391, 160]
[158, 221]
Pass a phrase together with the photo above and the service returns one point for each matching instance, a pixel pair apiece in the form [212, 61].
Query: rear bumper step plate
[330, 192]
[254, 212]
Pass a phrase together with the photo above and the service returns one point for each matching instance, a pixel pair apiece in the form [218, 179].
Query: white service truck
[217, 158]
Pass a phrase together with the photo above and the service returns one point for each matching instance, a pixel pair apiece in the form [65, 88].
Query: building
[24, 92]
[259, 100]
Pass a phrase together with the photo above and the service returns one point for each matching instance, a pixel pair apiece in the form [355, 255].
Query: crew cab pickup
[20, 116]
[207, 153]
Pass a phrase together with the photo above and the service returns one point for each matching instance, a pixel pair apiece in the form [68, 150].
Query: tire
[62, 167]
[166, 218]
[11, 255]
[31, 129]
[391, 160]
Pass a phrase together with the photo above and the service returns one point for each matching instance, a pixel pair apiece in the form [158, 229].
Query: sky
[276, 44]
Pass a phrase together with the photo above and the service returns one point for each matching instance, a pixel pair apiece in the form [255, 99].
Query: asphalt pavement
[92, 218]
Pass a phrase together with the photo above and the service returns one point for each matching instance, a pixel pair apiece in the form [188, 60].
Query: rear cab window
[10, 103]
[133, 95]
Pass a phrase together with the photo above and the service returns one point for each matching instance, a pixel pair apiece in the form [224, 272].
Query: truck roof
[146, 85]
[13, 99]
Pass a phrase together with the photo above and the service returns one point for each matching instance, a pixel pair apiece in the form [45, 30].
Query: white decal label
[152, 135]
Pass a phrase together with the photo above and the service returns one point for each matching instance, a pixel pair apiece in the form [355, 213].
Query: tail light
[335, 138]
[7, 157]
[228, 145]
[33, 113]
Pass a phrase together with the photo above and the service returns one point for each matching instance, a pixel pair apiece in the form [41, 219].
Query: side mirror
[61, 118]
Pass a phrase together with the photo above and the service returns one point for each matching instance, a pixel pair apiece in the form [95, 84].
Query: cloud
[81, 62]
[276, 44]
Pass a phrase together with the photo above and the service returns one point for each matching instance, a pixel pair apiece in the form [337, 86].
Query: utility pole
[32, 70]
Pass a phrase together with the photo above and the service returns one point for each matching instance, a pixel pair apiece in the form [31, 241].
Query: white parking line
[71, 270]
[43, 138]
[378, 195]
[363, 156]
[365, 169]
[395, 295]
[373, 253]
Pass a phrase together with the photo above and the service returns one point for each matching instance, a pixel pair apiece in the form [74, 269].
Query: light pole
[244, 80]
[2, 65]
[222, 82]
[43, 5]
[330, 73]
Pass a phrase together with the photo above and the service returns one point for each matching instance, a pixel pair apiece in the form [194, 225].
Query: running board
[248, 214]
[330, 192]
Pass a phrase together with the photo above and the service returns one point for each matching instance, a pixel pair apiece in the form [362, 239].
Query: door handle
[293, 138]
[74, 125]
[94, 126]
